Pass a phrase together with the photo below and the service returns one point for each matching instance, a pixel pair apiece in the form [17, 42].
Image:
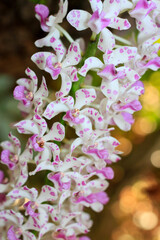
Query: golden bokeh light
[126, 237]
[151, 98]
[125, 146]
[155, 159]
[127, 201]
[145, 220]
[143, 126]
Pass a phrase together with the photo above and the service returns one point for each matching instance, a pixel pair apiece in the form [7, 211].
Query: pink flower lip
[98, 21]
[55, 69]
[31, 207]
[43, 12]
[2, 198]
[94, 197]
[73, 116]
[9, 158]
[37, 143]
[101, 153]
[24, 95]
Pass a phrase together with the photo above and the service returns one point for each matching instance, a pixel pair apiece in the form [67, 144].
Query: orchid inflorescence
[77, 170]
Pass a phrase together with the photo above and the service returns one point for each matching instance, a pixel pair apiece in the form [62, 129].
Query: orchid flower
[104, 15]
[39, 141]
[60, 65]
[28, 95]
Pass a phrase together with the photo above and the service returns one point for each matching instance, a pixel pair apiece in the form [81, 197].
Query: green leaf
[39, 1]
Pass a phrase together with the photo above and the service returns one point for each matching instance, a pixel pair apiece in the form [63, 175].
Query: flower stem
[65, 33]
[122, 40]
[91, 51]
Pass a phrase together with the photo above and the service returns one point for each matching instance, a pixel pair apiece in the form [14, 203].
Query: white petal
[40, 59]
[42, 91]
[63, 197]
[78, 19]
[65, 86]
[57, 132]
[147, 29]
[75, 144]
[96, 117]
[7, 145]
[97, 206]
[11, 216]
[42, 124]
[16, 143]
[32, 76]
[121, 123]
[63, 7]
[73, 55]
[28, 236]
[106, 40]
[96, 5]
[120, 55]
[23, 176]
[24, 192]
[27, 127]
[84, 130]
[90, 63]
[113, 8]
[56, 107]
[52, 40]
[48, 193]
[84, 97]
[46, 228]
[45, 155]
[120, 23]
[26, 83]
[43, 166]
[55, 151]
[110, 89]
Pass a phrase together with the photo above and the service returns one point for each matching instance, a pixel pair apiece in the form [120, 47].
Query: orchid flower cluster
[77, 170]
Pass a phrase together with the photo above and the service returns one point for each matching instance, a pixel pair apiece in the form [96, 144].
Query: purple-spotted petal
[48, 193]
[142, 9]
[73, 55]
[96, 5]
[65, 86]
[43, 90]
[63, 7]
[56, 107]
[57, 132]
[95, 116]
[106, 40]
[84, 97]
[24, 192]
[34, 79]
[41, 123]
[120, 55]
[43, 166]
[120, 23]
[45, 61]
[90, 63]
[27, 127]
[79, 19]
